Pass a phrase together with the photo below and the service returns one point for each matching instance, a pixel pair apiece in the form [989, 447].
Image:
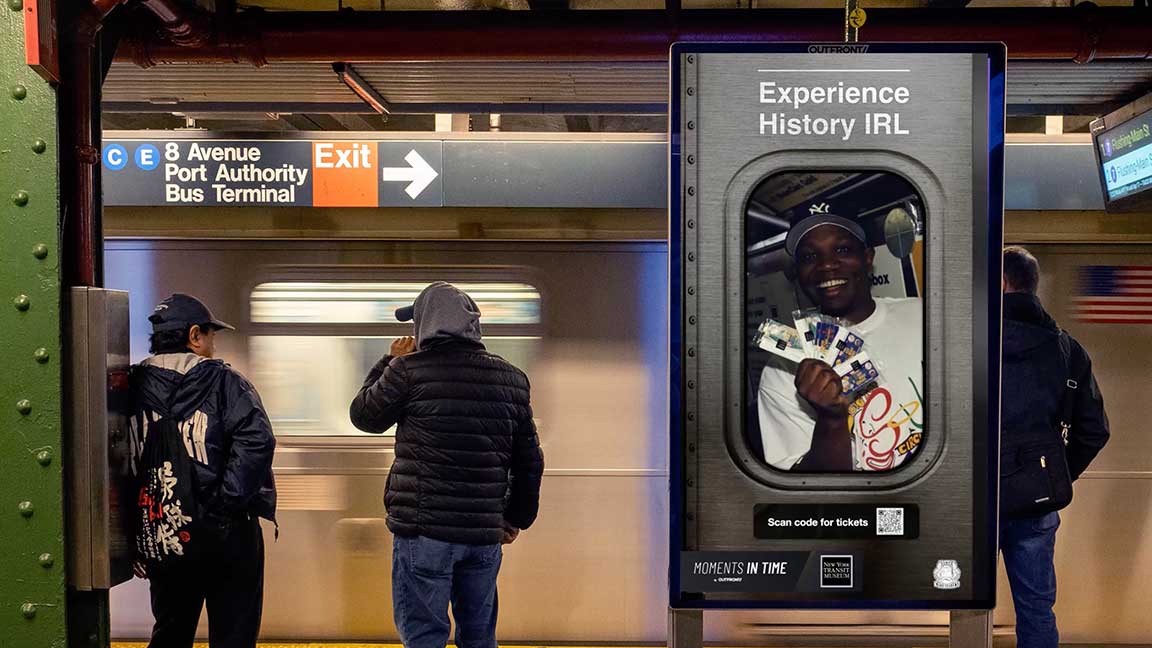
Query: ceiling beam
[1083, 33]
[299, 122]
[356, 123]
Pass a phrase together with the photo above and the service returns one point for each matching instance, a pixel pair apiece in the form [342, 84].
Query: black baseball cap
[406, 313]
[819, 215]
[181, 311]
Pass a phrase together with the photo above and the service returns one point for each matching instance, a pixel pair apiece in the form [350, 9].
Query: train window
[290, 302]
[314, 342]
[834, 331]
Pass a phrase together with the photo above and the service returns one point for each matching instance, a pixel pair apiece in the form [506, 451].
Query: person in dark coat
[1034, 383]
[466, 479]
[229, 438]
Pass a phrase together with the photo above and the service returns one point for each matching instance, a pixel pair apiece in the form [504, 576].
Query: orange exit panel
[344, 174]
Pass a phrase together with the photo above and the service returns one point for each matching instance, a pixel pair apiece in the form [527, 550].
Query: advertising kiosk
[835, 326]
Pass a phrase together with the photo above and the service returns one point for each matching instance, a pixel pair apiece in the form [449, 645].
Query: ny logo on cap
[160, 307]
[822, 208]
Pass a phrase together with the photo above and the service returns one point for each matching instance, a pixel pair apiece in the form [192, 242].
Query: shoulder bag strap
[1070, 386]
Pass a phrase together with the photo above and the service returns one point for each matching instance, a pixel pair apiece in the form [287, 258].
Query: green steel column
[32, 587]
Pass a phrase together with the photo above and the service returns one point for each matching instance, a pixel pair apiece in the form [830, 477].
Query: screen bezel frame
[990, 231]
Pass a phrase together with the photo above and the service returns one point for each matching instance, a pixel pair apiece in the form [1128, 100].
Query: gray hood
[443, 311]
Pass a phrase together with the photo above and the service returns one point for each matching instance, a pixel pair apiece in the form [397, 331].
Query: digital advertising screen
[836, 231]
[1123, 143]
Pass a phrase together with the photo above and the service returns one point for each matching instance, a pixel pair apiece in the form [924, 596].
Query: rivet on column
[44, 458]
[20, 198]
[39, 146]
[19, 92]
[46, 560]
[25, 508]
[24, 406]
[21, 302]
[40, 251]
[28, 610]
[41, 355]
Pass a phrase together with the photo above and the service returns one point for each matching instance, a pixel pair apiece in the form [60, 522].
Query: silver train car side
[592, 567]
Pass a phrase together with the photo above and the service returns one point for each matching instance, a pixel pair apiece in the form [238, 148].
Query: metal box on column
[99, 480]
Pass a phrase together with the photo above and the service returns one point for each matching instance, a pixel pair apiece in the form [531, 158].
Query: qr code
[889, 521]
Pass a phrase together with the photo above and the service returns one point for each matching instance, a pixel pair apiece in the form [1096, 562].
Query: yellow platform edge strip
[144, 644]
[385, 644]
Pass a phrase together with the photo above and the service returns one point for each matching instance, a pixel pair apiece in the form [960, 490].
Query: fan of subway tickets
[824, 338]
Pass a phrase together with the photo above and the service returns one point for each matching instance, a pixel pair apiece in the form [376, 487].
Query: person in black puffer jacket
[467, 473]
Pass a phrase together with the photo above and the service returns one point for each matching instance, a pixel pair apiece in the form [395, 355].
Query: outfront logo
[845, 48]
[836, 572]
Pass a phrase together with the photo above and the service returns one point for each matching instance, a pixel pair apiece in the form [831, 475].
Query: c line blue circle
[115, 157]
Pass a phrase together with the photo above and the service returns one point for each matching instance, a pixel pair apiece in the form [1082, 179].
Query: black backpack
[171, 523]
[1034, 475]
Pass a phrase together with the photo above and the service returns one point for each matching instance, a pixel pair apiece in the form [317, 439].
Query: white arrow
[419, 174]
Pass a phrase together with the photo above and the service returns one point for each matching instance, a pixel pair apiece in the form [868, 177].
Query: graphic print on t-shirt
[885, 432]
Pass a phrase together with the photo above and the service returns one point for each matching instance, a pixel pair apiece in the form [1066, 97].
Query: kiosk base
[685, 628]
[966, 628]
[970, 629]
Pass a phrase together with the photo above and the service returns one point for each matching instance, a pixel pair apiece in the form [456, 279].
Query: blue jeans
[1029, 546]
[427, 574]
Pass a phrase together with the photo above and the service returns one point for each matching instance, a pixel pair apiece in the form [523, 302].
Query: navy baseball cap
[405, 313]
[820, 215]
[181, 311]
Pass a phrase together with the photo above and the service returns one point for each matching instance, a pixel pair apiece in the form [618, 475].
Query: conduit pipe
[79, 101]
[1081, 34]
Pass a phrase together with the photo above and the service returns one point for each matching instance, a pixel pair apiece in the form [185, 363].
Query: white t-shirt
[887, 423]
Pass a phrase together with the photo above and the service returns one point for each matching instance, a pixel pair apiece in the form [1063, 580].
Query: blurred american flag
[1115, 295]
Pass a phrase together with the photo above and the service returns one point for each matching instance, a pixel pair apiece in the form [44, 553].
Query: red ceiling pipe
[1081, 34]
[183, 27]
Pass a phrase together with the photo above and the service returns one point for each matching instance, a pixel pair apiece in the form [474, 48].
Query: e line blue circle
[147, 157]
[115, 157]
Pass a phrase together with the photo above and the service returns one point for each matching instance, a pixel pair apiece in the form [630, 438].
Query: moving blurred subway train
[576, 298]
